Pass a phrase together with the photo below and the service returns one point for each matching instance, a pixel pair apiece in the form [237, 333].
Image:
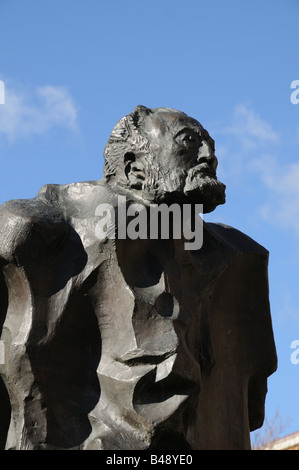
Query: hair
[127, 141]
[124, 143]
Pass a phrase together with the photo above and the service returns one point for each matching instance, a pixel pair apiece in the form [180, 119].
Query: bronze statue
[124, 342]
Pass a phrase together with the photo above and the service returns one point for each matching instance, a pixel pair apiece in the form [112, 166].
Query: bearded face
[163, 155]
[183, 163]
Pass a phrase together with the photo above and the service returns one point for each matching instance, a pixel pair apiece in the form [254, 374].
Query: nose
[206, 155]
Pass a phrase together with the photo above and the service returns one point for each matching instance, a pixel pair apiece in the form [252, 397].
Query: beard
[198, 185]
[204, 188]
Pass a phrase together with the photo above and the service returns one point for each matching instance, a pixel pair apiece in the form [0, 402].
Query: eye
[188, 138]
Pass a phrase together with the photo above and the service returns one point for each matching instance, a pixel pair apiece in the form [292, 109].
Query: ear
[134, 171]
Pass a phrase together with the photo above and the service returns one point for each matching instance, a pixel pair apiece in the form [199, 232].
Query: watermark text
[295, 94]
[295, 354]
[136, 221]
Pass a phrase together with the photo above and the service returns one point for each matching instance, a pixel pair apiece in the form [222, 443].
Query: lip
[204, 169]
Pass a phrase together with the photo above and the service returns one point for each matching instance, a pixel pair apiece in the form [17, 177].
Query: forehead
[169, 122]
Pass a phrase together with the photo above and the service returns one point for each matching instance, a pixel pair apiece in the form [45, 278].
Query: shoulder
[51, 214]
[75, 200]
[234, 239]
[54, 200]
[22, 220]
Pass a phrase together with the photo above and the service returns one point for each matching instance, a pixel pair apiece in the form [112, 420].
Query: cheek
[187, 158]
[168, 158]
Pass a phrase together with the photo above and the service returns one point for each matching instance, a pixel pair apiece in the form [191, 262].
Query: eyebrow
[188, 129]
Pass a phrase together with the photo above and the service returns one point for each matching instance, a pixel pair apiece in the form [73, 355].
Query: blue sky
[73, 68]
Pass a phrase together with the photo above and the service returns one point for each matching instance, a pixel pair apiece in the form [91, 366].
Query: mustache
[179, 177]
[200, 179]
[200, 170]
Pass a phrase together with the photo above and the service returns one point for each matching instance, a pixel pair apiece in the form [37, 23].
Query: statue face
[186, 159]
[179, 140]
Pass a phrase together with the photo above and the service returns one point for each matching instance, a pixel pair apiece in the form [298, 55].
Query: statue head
[163, 155]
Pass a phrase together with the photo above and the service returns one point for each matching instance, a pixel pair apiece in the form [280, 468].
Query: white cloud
[250, 129]
[249, 158]
[282, 182]
[245, 135]
[24, 115]
[250, 123]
